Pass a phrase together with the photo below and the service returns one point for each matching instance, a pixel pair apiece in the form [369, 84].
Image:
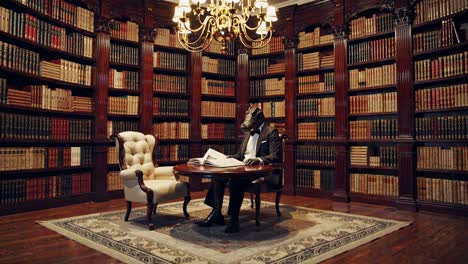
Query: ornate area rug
[300, 235]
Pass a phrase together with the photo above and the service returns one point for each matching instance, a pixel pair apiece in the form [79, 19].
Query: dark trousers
[237, 189]
[210, 195]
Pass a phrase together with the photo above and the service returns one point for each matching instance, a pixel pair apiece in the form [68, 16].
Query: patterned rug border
[50, 224]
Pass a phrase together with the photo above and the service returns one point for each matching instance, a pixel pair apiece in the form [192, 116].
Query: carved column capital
[339, 31]
[403, 16]
[242, 51]
[290, 42]
[147, 34]
[103, 24]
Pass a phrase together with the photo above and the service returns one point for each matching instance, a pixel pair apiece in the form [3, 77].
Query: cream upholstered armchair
[143, 181]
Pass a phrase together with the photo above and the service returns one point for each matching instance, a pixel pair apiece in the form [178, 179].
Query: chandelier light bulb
[261, 4]
[185, 27]
[178, 12]
[262, 29]
[185, 6]
[271, 14]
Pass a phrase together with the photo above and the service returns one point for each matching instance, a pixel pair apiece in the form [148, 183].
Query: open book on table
[216, 159]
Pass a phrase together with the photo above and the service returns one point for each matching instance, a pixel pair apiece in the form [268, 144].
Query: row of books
[374, 157]
[172, 130]
[123, 79]
[114, 181]
[275, 45]
[19, 126]
[217, 87]
[373, 129]
[315, 154]
[374, 184]
[216, 46]
[372, 77]
[67, 71]
[28, 158]
[112, 155]
[19, 59]
[442, 127]
[373, 103]
[169, 60]
[123, 54]
[314, 38]
[123, 105]
[124, 30]
[221, 66]
[281, 126]
[48, 187]
[170, 106]
[316, 130]
[63, 11]
[218, 131]
[371, 50]
[315, 60]
[267, 87]
[169, 83]
[266, 65]
[273, 108]
[316, 179]
[28, 27]
[365, 26]
[226, 149]
[428, 10]
[441, 67]
[444, 37]
[443, 158]
[165, 38]
[43, 97]
[442, 190]
[115, 127]
[173, 152]
[316, 106]
[218, 109]
[316, 83]
[450, 96]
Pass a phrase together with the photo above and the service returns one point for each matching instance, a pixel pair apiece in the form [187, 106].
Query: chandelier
[223, 21]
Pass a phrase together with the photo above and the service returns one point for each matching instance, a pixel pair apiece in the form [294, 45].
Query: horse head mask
[254, 118]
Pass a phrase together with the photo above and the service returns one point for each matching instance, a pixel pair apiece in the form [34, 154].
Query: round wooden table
[217, 174]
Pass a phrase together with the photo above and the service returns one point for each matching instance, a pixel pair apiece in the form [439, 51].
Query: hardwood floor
[432, 238]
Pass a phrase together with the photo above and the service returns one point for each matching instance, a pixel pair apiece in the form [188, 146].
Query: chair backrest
[136, 151]
[278, 168]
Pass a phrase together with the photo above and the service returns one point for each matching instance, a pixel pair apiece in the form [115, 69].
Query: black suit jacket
[268, 150]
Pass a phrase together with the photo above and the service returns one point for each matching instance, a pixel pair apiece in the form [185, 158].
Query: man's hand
[254, 161]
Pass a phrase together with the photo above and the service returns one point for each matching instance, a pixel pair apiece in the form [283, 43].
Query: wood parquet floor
[432, 238]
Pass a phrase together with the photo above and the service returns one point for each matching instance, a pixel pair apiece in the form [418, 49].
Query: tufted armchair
[144, 181]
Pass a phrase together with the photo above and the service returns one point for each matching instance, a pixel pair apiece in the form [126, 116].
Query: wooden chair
[268, 186]
[144, 181]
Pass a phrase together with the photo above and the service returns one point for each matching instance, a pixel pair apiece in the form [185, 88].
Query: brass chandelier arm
[250, 43]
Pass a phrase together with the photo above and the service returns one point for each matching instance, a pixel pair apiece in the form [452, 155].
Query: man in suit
[261, 145]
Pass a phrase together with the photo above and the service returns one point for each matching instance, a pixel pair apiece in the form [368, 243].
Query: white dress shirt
[251, 150]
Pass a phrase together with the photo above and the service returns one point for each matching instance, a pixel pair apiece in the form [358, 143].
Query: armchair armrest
[165, 173]
[129, 174]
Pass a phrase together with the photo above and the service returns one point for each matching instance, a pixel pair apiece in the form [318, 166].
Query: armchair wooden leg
[129, 208]
[257, 205]
[251, 200]
[149, 212]
[278, 196]
[186, 201]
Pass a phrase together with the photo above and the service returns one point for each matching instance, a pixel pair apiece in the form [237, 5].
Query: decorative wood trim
[102, 24]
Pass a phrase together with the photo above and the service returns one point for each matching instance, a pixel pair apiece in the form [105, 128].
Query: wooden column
[146, 35]
[406, 104]
[242, 88]
[194, 62]
[101, 81]
[290, 45]
[341, 192]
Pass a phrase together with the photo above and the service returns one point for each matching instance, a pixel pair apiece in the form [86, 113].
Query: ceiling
[276, 3]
